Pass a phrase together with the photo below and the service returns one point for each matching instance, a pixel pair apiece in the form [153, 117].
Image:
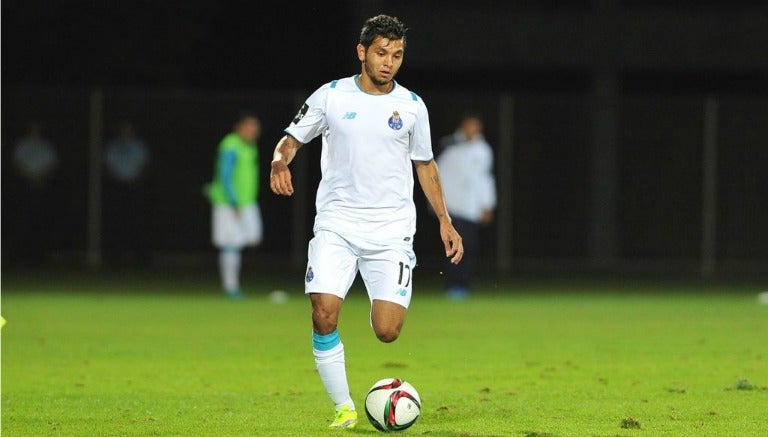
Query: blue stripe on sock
[325, 342]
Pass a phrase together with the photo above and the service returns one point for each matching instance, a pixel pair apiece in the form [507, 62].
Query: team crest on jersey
[310, 274]
[395, 122]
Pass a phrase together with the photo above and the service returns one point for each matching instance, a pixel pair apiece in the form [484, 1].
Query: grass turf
[173, 358]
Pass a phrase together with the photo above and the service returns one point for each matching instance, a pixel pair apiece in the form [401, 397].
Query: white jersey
[466, 173]
[369, 141]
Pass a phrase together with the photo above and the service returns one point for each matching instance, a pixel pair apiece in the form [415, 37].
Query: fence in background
[687, 175]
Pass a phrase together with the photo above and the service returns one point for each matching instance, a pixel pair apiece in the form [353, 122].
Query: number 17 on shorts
[387, 270]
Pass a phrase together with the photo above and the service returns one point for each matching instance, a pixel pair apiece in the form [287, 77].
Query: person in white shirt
[466, 165]
[126, 201]
[126, 156]
[37, 163]
[35, 157]
[374, 133]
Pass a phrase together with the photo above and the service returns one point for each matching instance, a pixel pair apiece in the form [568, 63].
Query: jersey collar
[356, 78]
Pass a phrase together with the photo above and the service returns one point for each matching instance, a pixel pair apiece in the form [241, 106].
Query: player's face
[382, 60]
[248, 129]
[472, 127]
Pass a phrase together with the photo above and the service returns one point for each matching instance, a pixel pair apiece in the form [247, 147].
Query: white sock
[333, 374]
[229, 269]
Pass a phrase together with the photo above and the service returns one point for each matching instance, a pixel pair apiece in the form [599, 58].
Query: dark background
[673, 46]
[606, 168]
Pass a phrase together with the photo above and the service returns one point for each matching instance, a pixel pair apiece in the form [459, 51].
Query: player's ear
[361, 52]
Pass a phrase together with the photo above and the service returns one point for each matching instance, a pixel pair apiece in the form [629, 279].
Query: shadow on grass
[429, 433]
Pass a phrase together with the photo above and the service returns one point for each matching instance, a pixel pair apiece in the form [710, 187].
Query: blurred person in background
[36, 162]
[35, 157]
[127, 158]
[236, 217]
[466, 166]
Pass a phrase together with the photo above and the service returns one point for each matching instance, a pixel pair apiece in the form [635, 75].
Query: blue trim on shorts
[326, 342]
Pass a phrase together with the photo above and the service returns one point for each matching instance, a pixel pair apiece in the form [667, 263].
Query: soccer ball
[392, 404]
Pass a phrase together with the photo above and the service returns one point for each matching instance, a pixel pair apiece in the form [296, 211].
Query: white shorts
[233, 231]
[334, 261]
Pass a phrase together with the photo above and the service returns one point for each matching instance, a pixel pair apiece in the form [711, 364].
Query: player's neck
[365, 83]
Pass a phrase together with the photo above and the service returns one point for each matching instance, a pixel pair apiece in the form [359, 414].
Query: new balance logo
[349, 116]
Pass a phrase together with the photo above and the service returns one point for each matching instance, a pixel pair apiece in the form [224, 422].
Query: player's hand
[454, 248]
[280, 179]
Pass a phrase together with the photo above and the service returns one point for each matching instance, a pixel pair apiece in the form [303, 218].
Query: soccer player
[236, 218]
[374, 133]
[466, 166]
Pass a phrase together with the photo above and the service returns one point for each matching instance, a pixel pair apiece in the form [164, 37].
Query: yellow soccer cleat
[346, 417]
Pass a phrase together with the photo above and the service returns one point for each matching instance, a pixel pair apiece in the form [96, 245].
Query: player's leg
[230, 261]
[251, 224]
[387, 319]
[227, 237]
[328, 349]
[331, 269]
[388, 276]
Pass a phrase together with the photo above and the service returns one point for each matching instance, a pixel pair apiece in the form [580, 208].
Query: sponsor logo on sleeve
[302, 112]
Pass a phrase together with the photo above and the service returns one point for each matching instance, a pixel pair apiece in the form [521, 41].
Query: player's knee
[388, 334]
[324, 320]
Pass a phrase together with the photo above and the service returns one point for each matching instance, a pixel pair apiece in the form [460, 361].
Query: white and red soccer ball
[392, 404]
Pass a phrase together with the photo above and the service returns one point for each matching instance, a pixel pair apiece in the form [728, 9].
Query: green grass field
[171, 357]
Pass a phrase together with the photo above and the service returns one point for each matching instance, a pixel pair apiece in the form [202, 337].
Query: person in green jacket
[234, 192]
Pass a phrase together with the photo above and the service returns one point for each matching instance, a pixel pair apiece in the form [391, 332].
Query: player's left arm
[429, 179]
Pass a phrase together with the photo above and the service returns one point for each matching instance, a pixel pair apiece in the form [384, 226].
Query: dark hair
[243, 115]
[466, 115]
[384, 26]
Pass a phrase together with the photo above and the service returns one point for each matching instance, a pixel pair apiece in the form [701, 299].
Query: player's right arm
[227, 160]
[309, 122]
[280, 177]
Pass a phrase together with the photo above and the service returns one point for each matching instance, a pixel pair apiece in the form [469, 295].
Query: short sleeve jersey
[368, 143]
